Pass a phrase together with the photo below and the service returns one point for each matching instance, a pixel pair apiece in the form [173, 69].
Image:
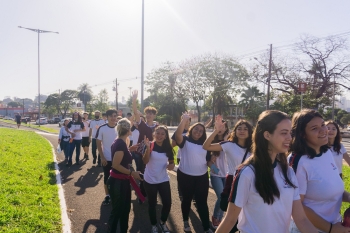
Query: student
[218, 167]
[85, 143]
[105, 136]
[338, 150]
[265, 192]
[18, 120]
[104, 118]
[192, 173]
[144, 131]
[159, 157]
[63, 140]
[75, 128]
[120, 179]
[320, 187]
[237, 149]
[178, 158]
[94, 125]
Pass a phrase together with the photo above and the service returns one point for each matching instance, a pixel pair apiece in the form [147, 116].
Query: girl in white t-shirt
[232, 152]
[336, 147]
[192, 174]
[265, 193]
[159, 157]
[320, 186]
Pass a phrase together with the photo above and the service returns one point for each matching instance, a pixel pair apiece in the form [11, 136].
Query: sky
[100, 41]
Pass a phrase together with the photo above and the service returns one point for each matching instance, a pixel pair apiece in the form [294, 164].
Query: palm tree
[85, 94]
[252, 102]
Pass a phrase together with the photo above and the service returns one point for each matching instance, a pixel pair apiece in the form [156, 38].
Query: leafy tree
[61, 102]
[85, 94]
[100, 102]
[14, 104]
[345, 120]
[253, 102]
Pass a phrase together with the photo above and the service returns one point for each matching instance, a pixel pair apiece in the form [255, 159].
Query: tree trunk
[199, 113]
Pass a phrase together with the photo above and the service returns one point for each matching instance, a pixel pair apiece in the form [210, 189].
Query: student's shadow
[100, 224]
[89, 180]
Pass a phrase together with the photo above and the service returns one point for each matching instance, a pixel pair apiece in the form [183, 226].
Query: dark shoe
[94, 161]
[77, 162]
[99, 164]
[164, 228]
[187, 227]
[106, 201]
[87, 157]
[69, 163]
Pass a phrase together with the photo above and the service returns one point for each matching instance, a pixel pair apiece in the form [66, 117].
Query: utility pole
[116, 94]
[142, 52]
[130, 90]
[268, 80]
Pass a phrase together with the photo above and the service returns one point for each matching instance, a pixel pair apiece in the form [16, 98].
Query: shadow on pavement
[89, 180]
[99, 224]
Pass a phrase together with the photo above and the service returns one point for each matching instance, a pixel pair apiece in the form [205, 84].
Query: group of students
[282, 176]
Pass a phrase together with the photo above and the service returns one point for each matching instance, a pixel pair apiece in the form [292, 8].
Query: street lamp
[38, 31]
[142, 52]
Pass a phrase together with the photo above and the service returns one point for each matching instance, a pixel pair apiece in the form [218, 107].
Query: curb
[8, 125]
[66, 224]
[175, 170]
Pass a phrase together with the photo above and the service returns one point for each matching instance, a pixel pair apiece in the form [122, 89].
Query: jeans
[120, 193]
[165, 195]
[75, 144]
[197, 186]
[65, 147]
[218, 185]
[94, 149]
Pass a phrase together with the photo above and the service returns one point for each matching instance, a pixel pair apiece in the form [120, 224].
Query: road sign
[302, 87]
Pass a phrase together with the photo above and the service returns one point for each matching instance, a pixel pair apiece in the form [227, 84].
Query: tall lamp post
[142, 52]
[38, 31]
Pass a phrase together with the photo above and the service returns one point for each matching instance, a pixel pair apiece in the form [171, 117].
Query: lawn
[29, 196]
[346, 178]
[32, 125]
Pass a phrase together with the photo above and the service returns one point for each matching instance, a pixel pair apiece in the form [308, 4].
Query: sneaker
[106, 201]
[87, 157]
[209, 231]
[164, 228]
[154, 229]
[215, 222]
[187, 227]
[69, 163]
[94, 161]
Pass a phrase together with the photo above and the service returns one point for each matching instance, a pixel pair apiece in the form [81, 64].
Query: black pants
[93, 149]
[106, 171]
[194, 186]
[165, 194]
[120, 193]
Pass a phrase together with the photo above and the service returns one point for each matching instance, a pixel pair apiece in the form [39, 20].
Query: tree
[61, 102]
[253, 102]
[345, 120]
[14, 104]
[85, 94]
[100, 102]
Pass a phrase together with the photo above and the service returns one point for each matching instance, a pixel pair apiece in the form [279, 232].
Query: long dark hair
[337, 139]
[265, 183]
[233, 137]
[299, 122]
[80, 119]
[204, 136]
[166, 145]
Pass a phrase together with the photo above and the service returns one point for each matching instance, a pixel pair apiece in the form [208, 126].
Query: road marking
[66, 224]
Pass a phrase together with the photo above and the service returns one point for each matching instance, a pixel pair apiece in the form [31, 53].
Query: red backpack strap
[151, 147]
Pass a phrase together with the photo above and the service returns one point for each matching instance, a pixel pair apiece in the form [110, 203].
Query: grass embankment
[346, 179]
[33, 126]
[28, 199]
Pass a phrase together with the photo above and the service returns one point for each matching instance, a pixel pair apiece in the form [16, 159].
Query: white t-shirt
[106, 135]
[221, 163]
[86, 132]
[321, 184]
[338, 158]
[257, 216]
[193, 157]
[135, 136]
[156, 168]
[94, 125]
[64, 135]
[234, 155]
[76, 125]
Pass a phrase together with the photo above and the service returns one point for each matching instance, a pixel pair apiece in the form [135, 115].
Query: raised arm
[134, 106]
[178, 133]
[219, 127]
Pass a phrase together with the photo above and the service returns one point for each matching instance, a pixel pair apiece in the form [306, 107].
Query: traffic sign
[302, 87]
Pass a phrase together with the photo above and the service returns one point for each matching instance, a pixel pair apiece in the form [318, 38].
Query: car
[1, 116]
[8, 118]
[43, 121]
[60, 124]
[348, 128]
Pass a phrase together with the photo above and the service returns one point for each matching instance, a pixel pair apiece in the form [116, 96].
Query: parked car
[62, 121]
[43, 121]
[8, 118]
[54, 120]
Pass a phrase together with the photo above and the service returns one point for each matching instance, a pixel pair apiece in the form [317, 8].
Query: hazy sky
[99, 41]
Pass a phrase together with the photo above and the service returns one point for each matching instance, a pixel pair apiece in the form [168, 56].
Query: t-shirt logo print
[334, 167]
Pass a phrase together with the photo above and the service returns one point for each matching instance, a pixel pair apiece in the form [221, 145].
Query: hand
[134, 94]
[214, 169]
[103, 161]
[339, 228]
[170, 166]
[73, 135]
[136, 175]
[186, 116]
[59, 141]
[147, 142]
[134, 147]
[219, 125]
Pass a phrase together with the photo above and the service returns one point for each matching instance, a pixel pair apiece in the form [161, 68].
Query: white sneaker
[154, 229]
[187, 227]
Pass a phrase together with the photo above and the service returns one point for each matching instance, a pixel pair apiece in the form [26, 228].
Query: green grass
[346, 179]
[29, 197]
[33, 126]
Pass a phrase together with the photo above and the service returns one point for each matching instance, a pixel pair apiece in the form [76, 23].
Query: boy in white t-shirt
[85, 143]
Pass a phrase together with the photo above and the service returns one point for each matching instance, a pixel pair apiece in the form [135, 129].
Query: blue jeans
[218, 185]
[76, 144]
[65, 147]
